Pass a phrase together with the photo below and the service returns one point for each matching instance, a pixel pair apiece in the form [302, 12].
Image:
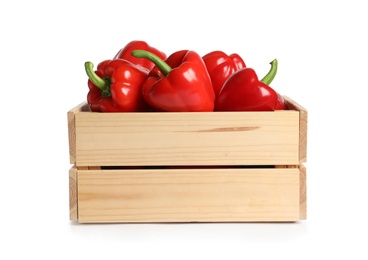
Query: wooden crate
[188, 167]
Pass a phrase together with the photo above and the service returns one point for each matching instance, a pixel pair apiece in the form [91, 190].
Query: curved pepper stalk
[102, 83]
[271, 74]
[116, 86]
[243, 91]
[125, 53]
[181, 83]
[163, 66]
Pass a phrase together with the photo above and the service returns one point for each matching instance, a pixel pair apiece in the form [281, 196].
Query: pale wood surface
[183, 195]
[72, 138]
[303, 192]
[303, 125]
[221, 138]
[71, 129]
[73, 194]
[302, 188]
[188, 195]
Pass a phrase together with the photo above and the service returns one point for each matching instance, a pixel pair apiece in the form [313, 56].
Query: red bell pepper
[243, 91]
[179, 84]
[116, 86]
[125, 53]
[221, 66]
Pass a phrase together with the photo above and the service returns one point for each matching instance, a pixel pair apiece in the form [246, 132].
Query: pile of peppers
[142, 78]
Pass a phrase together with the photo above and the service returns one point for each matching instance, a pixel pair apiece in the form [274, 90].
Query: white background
[321, 47]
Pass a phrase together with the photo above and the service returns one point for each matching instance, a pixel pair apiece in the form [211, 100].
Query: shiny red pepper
[125, 53]
[243, 91]
[221, 66]
[116, 86]
[179, 84]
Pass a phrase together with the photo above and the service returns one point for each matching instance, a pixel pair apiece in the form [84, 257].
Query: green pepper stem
[271, 74]
[162, 65]
[102, 83]
[96, 80]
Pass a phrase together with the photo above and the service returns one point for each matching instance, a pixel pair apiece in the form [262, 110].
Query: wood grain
[73, 194]
[302, 188]
[188, 195]
[72, 129]
[223, 138]
[303, 125]
[303, 192]
[176, 192]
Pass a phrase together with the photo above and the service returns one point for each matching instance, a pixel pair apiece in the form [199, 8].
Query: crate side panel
[303, 136]
[221, 195]
[71, 136]
[252, 138]
[303, 192]
[73, 194]
[303, 125]
[82, 107]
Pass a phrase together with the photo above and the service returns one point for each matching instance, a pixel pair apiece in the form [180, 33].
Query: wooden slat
[73, 194]
[217, 138]
[188, 195]
[303, 192]
[72, 129]
[302, 188]
[303, 124]
[89, 168]
[72, 141]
